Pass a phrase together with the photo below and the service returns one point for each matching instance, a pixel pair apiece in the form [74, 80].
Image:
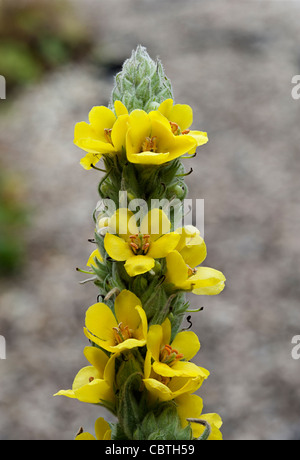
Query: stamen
[122, 333]
[134, 245]
[149, 144]
[191, 271]
[169, 355]
[107, 135]
[91, 379]
[139, 243]
[185, 131]
[174, 127]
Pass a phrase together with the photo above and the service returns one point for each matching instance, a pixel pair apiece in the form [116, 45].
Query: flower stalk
[144, 264]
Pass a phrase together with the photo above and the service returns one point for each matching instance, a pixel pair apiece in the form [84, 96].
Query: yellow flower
[104, 134]
[95, 255]
[93, 384]
[180, 117]
[140, 246]
[150, 140]
[167, 388]
[171, 360]
[190, 406]
[182, 269]
[102, 432]
[125, 329]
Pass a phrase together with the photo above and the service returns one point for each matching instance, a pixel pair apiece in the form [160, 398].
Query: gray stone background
[233, 62]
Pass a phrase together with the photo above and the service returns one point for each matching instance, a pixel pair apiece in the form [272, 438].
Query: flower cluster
[140, 358]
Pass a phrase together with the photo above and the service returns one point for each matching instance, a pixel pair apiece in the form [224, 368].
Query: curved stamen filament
[121, 333]
[139, 243]
[107, 135]
[169, 355]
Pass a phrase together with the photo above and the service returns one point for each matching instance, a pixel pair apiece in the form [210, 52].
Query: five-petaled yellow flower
[167, 388]
[171, 360]
[182, 265]
[151, 141]
[190, 406]
[124, 329]
[94, 383]
[140, 245]
[104, 134]
[180, 117]
[102, 432]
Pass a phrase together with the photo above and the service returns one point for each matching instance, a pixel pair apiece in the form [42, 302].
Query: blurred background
[233, 62]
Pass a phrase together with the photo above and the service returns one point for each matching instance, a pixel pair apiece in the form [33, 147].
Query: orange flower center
[122, 333]
[169, 355]
[139, 243]
[150, 144]
[176, 129]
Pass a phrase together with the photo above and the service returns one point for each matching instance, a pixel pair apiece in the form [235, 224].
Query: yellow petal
[187, 343]
[181, 145]
[147, 158]
[95, 255]
[117, 248]
[95, 146]
[95, 392]
[178, 369]
[137, 265]
[156, 115]
[125, 310]
[189, 406]
[139, 129]
[155, 340]
[100, 320]
[101, 118]
[177, 270]
[82, 377]
[85, 437]
[123, 223]
[158, 389]
[199, 136]
[182, 385]
[83, 130]
[90, 159]
[163, 245]
[97, 358]
[101, 428]
[215, 423]
[187, 234]
[207, 281]
[120, 108]
[182, 114]
[155, 223]
[147, 365]
[141, 331]
[165, 108]
[109, 371]
[194, 252]
[118, 134]
[167, 330]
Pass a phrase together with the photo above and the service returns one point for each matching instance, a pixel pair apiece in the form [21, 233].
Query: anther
[174, 127]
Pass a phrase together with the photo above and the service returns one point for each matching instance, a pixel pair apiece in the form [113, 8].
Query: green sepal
[162, 423]
[132, 402]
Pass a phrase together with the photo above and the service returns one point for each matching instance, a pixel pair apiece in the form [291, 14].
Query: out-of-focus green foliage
[37, 36]
[14, 219]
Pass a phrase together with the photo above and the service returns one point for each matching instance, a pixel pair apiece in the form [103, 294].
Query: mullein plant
[139, 356]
